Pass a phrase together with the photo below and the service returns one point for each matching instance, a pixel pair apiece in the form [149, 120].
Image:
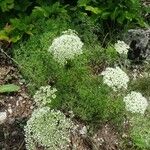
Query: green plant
[78, 89]
[87, 97]
[140, 132]
[121, 12]
[35, 62]
[6, 5]
[25, 24]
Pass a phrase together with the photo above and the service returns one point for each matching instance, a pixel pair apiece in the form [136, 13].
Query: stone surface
[3, 117]
[139, 41]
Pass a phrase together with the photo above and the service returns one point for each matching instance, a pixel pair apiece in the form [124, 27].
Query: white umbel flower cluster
[44, 95]
[49, 129]
[66, 47]
[135, 102]
[121, 47]
[115, 78]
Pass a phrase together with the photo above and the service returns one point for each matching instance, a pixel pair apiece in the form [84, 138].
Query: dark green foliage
[103, 17]
[122, 12]
[6, 5]
[25, 24]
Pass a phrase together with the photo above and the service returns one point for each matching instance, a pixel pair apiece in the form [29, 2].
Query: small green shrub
[78, 89]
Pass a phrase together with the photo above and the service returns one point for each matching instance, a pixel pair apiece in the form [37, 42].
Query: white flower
[121, 47]
[44, 95]
[115, 78]
[48, 128]
[135, 102]
[66, 47]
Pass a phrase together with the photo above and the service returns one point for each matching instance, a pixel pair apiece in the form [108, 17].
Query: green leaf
[6, 5]
[83, 2]
[105, 15]
[9, 88]
[3, 35]
[94, 10]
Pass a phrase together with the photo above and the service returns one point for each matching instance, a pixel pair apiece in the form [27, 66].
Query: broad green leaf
[9, 88]
[95, 10]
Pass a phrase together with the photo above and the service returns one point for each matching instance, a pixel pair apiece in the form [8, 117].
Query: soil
[18, 106]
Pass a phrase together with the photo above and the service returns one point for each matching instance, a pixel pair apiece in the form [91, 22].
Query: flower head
[121, 47]
[49, 129]
[115, 78]
[44, 95]
[66, 47]
[135, 102]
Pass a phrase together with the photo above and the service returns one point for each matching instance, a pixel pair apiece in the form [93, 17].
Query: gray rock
[3, 117]
[139, 41]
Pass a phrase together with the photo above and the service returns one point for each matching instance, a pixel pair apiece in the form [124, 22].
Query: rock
[83, 131]
[139, 41]
[3, 117]
[9, 110]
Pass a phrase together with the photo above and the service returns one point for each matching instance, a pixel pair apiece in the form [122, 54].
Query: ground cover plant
[85, 92]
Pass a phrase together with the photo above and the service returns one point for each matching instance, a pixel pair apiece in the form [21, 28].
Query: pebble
[31, 107]
[83, 131]
[24, 102]
[9, 105]
[10, 110]
[17, 103]
[3, 117]
[20, 98]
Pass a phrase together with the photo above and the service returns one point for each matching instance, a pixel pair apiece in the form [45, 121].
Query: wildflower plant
[66, 47]
[135, 102]
[115, 78]
[121, 47]
[44, 95]
[49, 129]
